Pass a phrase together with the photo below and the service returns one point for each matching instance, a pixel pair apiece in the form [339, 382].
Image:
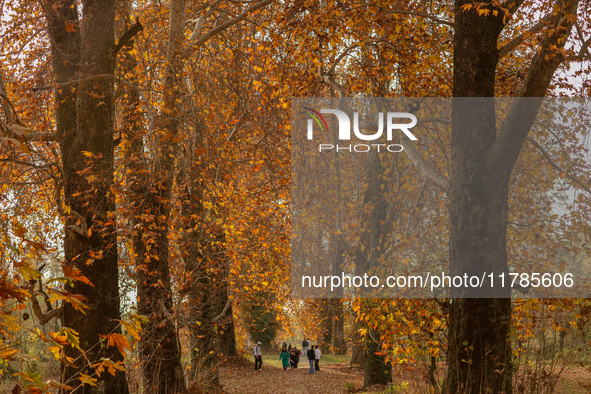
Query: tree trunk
[478, 342]
[85, 124]
[226, 337]
[160, 350]
[479, 346]
[203, 307]
[377, 370]
[159, 347]
[325, 306]
[205, 288]
[358, 348]
[338, 327]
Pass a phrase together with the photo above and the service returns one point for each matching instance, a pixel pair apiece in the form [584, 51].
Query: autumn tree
[483, 158]
[83, 63]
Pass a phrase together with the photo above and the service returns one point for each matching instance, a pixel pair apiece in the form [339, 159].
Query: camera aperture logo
[345, 130]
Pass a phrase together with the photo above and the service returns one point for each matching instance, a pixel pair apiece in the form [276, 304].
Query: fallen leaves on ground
[239, 378]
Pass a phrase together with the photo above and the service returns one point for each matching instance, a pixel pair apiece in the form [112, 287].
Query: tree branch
[515, 42]
[215, 31]
[431, 17]
[199, 21]
[339, 58]
[223, 313]
[332, 82]
[556, 166]
[424, 168]
[417, 157]
[6, 104]
[524, 109]
[584, 46]
[125, 38]
[50, 313]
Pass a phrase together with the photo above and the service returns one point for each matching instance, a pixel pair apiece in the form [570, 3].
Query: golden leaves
[120, 342]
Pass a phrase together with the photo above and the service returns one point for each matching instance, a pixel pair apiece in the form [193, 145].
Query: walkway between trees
[239, 377]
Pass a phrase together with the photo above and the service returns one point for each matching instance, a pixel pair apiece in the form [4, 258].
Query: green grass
[334, 358]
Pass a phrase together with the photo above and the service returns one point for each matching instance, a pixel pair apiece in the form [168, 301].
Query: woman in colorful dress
[284, 357]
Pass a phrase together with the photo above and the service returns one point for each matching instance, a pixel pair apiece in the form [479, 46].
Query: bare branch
[199, 22]
[223, 313]
[584, 46]
[50, 313]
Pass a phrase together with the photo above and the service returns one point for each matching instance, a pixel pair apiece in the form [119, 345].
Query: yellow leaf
[87, 379]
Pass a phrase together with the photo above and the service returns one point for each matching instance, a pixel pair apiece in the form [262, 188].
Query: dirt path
[239, 377]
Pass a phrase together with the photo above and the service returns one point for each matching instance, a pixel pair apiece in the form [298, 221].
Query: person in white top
[317, 356]
[258, 357]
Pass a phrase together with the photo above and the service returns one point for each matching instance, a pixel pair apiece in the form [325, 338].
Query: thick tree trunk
[206, 290]
[159, 347]
[85, 123]
[203, 309]
[160, 350]
[478, 342]
[357, 348]
[479, 346]
[204, 352]
[377, 370]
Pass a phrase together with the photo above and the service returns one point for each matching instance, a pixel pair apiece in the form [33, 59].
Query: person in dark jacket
[304, 347]
[295, 357]
[311, 358]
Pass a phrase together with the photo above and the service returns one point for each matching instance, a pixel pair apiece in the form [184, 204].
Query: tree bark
[85, 124]
[377, 370]
[338, 327]
[160, 350]
[226, 337]
[479, 346]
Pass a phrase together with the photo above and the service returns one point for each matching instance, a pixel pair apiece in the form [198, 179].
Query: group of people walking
[290, 356]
